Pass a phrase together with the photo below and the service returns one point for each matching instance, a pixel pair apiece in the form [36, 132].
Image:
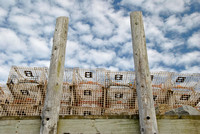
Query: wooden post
[50, 113]
[148, 124]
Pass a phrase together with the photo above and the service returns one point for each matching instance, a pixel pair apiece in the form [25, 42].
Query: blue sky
[99, 33]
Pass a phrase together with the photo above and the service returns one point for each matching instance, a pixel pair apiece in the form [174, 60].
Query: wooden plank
[50, 114]
[102, 126]
[148, 124]
[99, 126]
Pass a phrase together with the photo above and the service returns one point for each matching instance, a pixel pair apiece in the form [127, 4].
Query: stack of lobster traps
[27, 87]
[100, 92]
[95, 92]
[86, 89]
[120, 93]
[172, 90]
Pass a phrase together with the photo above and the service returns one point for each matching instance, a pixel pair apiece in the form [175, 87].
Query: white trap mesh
[27, 88]
[95, 92]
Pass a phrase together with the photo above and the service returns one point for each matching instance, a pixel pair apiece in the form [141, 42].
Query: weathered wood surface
[50, 113]
[148, 124]
[102, 126]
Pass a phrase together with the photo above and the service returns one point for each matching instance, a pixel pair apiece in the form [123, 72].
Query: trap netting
[26, 91]
[95, 92]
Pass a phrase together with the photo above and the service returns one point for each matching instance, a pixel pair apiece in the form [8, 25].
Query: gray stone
[184, 110]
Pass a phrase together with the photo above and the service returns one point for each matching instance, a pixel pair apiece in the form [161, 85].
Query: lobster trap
[172, 90]
[120, 93]
[27, 89]
[95, 92]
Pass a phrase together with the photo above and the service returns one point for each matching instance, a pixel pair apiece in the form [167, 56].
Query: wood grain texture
[99, 126]
[50, 114]
[148, 124]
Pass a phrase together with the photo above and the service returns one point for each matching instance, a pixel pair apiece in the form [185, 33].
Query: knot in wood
[55, 48]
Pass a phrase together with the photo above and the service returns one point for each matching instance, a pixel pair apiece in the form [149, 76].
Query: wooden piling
[148, 123]
[50, 113]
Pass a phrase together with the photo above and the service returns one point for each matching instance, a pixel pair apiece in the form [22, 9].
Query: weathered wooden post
[148, 124]
[50, 113]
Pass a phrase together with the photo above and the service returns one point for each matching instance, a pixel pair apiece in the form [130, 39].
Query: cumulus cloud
[124, 63]
[8, 3]
[189, 58]
[194, 40]
[101, 57]
[183, 24]
[4, 71]
[38, 48]
[3, 14]
[158, 6]
[99, 33]
[40, 63]
[191, 69]
[86, 38]
[82, 28]
[10, 41]
[126, 49]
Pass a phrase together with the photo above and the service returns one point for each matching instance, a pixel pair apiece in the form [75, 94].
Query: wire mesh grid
[172, 90]
[120, 93]
[95, 92]
[26, 91]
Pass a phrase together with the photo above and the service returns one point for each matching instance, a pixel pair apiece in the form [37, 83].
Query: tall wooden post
[148, 124]
[50, 113]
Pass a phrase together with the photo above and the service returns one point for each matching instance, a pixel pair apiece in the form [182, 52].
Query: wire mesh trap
[95, 92]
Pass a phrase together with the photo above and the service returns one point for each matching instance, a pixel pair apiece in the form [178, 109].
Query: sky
[99, 34]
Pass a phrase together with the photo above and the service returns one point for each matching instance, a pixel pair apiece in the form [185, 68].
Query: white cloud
[87, 38]
[171, 5]
[25, 24]
[174, 23]
[157, 68]
[182, 24]
[99, 43]
[103, 28]
[10, 42]
[126, 49]
[170, 44]
[191, 21]
[72, 49]
[191, 69]
[8, 3]
[154, 57]
[153, 29]
[131, 2]
[99, 33]
[78, 55]
[168, 58]
[112, 68]
[101, 57]
[81, 28]
[194, 40]
[3, 14]
[124, 63]
[72, 62]
[189, 58]
[4, 71]
[16, 58]
[50, 10]
[158, 6]
[156, 30]
[38, 48]
[99, 15]
[40, 63]
[65, 3]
